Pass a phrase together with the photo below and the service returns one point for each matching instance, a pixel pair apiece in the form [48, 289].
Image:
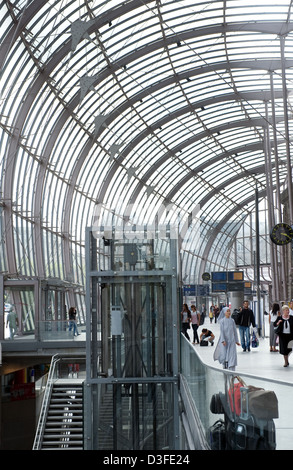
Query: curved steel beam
[268, 27]
[221, 224]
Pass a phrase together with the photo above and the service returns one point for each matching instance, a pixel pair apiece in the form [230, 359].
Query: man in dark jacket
[246, 318]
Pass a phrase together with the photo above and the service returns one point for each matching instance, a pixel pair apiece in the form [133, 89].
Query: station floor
[259, 361]
[262, 364]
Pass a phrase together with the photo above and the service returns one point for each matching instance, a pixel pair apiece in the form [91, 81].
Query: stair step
[61, 414]
[51, 447]
[58, 431]
[62, 405]
[66, 395]
[63, 437]
[53, 416]
[71, 428]
[64, 423]
[65, 398]
[58, 443]
[63, 448]
[69, 437]
[68, 387]
[66, 402]
[64, 418]
[70, 409]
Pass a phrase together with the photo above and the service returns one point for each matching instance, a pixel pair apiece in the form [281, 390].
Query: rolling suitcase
[251, 430]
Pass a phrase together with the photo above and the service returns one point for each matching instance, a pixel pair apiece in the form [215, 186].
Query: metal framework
[141, 110]
[132, 349]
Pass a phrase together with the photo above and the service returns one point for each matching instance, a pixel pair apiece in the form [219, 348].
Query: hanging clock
[206, 276]
[281, 234]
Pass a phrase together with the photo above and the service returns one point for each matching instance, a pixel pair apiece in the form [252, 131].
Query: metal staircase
[64, 424]
[61, 419]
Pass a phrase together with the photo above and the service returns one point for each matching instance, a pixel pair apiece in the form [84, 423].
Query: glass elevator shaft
[132, 345]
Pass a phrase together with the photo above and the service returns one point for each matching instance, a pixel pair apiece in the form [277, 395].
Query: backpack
[236, 315]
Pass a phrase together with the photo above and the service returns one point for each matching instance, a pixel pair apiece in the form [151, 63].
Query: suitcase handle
[244, 400]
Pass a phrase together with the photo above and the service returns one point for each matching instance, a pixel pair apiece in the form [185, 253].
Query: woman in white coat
[225, 351]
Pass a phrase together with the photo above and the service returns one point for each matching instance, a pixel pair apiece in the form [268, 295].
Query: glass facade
[133, 107]
[165, 117]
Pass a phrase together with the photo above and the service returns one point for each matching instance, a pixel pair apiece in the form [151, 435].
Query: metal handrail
[45, 404]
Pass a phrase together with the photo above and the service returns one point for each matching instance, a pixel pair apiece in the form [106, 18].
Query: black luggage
[250, 434]
[236, 316]
[253, 428]
[216, 404]
[217, 435]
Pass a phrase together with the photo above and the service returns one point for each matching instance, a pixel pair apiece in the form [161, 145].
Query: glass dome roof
[112, 109]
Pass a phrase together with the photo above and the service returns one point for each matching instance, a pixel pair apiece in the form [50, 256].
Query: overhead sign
[228, 281]
[196, 290]
[227, 276]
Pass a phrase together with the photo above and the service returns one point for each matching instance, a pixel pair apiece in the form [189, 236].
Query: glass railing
[57, 330]
[49, 330]
[238, 411]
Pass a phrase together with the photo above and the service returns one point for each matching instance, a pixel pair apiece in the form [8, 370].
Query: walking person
[225, 351]
[284, 329]
[12, 322]
[185, 320]
[222, 313]
[203, 314]
[246, 319]
[195, 321]
[216, 313]
[273, 315]
[72, 321]
[211, 313]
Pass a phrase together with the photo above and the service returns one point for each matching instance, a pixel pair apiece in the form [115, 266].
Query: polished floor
[259, 361]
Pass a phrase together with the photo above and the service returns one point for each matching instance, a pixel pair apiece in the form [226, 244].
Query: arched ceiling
[113, 110]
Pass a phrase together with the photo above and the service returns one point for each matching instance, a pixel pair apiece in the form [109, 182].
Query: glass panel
[135, 252]
[265, 424]
[55, 330]
[135, 416]
[19, 310]
[137, 337]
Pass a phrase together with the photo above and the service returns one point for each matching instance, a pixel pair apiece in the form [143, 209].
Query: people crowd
[280, 330]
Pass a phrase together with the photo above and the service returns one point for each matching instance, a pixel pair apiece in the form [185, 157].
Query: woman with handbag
[273, 315]
[284, 329]
[195, 321]
[185, 320]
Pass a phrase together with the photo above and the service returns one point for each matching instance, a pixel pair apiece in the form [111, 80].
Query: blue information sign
[196, 290]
